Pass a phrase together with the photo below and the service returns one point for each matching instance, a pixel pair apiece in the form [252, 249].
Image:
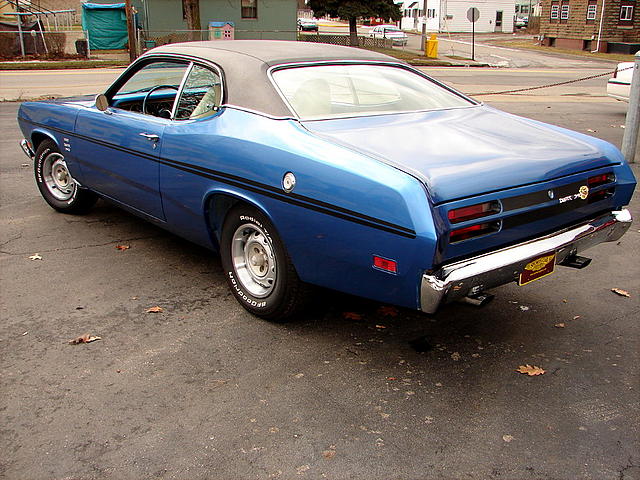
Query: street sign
[473, 14]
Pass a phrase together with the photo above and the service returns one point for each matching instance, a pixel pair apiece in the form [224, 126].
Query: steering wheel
[146, 97]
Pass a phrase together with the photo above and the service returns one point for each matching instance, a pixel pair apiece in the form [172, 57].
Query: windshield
[332, 91]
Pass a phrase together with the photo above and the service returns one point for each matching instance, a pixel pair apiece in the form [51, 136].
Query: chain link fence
[363, 41]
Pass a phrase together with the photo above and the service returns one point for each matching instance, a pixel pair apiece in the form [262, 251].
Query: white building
[451, 15]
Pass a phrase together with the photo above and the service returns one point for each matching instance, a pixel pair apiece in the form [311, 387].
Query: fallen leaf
[329, 453]
[619, 291]
[25, 165]
[391, 378]
[35, 256]
[507, 438]
[576, 317]
[388, 311]
[524, 308]
[380, 326]
[352, 315]
[86, 338]
[25, 333]
[564, 300]
[299, 375]
[123, 247]
[530, 370]
[155, 310]
[301, 469]
[134, 298]
[455, 356]
[590, 130]
[559, 325]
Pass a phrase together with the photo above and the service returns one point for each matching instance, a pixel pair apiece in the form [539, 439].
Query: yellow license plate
[537, 268]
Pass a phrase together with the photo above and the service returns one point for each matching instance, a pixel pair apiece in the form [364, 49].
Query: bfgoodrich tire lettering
[258, 269]
[56, 184]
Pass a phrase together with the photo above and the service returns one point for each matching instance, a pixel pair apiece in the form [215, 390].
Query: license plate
[537, 268]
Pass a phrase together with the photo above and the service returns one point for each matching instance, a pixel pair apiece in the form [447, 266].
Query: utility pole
[630, 138]
[131, 31]
[192, 16]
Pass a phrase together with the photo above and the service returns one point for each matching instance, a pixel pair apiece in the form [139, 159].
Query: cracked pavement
[204, 390]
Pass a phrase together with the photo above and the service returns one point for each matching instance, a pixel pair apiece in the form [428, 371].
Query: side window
[202, 94]
[152, 90]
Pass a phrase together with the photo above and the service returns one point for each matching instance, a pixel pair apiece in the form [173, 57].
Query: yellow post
[431, 47]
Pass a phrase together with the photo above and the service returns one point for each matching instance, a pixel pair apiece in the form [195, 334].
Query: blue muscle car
[307, 164]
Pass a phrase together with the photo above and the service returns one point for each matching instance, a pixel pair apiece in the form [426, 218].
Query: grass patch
[527, 45]
[63, 64]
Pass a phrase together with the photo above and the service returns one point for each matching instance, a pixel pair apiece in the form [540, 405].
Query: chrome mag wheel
[57, 178]
[254, 260]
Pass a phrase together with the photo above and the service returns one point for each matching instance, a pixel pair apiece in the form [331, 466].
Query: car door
[118, 149]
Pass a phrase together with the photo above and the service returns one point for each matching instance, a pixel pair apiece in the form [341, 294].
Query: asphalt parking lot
[205, 390]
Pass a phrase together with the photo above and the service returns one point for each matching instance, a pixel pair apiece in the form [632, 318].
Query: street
[203, 390]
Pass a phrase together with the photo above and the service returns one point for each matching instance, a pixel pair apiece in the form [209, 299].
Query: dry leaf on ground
[155, 310]
[86, 338]
[35, 256]
[560, 325]
[530, 370]
[576, 317]
[507, 438]
[380, 327]
[388, 311]
[352, 315]
[619, 291]
[123, 247]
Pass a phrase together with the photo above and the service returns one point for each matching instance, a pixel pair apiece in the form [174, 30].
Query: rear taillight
[602, 179]
[473, 231]
[472, 212]
[598, 180]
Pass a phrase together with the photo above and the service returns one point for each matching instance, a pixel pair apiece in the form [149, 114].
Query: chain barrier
[567, 82]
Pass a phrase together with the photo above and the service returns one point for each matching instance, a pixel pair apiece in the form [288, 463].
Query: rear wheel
[56, 184]
[258, 269]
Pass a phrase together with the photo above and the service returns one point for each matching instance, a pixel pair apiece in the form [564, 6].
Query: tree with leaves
[351, 10]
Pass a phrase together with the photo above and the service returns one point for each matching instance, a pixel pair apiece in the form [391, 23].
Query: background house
[253, 19]
[576, 24]
[451, 15]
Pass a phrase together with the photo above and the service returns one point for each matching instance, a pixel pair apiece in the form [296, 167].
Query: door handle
[150, 136]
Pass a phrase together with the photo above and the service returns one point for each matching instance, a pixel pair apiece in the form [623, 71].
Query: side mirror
[102, 103]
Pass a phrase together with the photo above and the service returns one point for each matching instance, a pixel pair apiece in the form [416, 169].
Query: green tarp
[106, 25]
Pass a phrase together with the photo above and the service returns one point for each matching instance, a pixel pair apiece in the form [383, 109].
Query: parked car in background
[619, 85]
[391, 32]
[522, 22]
[307, 25]
[310, 164]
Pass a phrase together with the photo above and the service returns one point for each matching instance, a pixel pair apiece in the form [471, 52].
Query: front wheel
[56, 184]
[258, 269]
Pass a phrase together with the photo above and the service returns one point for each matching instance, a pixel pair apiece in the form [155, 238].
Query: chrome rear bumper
[492, 269]
[27, 149]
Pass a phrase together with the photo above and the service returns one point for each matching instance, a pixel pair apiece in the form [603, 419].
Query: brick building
[605, 25]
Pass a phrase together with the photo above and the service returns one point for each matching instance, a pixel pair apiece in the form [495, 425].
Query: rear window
[332, 91]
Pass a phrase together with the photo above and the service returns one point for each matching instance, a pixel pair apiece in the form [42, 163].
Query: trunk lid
[466, 152]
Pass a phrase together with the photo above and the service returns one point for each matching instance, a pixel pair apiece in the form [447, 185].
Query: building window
[555, 11]
[564, 11]
[592, 11]
[626, 13]
[249, 8]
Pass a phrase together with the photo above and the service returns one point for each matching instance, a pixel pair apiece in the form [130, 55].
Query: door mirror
[102, 103]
